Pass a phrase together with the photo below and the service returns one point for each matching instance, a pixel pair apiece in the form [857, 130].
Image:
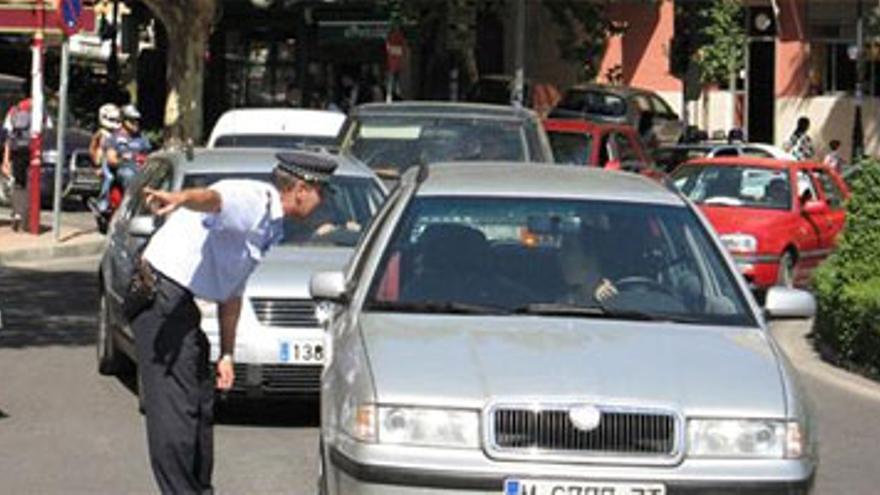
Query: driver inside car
[580, 264]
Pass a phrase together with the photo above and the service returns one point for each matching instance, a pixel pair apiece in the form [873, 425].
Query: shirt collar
[276, 211]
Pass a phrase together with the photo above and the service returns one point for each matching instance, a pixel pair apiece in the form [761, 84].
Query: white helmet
[130, 112]
[109, 116]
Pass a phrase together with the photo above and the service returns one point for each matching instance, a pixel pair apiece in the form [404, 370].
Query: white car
[276, 128]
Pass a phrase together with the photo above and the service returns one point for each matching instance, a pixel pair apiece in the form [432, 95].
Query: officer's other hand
[225, 374]
[605, 291]
[161, 202]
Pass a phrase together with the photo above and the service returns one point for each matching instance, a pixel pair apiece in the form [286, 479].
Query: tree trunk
[188, 26]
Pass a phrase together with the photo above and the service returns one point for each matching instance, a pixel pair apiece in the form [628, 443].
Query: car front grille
[548, 431]
[290, 313]
[277, 379]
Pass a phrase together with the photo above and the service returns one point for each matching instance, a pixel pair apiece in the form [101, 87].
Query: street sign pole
[60, 162]
[36, 121]
[519, 78]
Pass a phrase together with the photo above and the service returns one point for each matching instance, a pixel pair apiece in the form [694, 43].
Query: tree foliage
[724, 41]
[584, 31]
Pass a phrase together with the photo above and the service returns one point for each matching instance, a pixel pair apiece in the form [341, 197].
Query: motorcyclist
[128, 148]
[109, 121]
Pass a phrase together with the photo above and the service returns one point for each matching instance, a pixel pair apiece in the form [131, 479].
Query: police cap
[310, 167]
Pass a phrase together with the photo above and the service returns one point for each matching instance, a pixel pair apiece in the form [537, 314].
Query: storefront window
[262, 72]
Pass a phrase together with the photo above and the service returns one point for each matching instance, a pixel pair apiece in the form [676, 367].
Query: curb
[791, 335]
[42, 253]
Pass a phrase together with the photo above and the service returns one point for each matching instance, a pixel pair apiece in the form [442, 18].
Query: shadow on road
[297, 414]
[47, 308]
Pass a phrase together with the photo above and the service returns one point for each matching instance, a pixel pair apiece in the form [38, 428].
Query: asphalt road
[66, 429]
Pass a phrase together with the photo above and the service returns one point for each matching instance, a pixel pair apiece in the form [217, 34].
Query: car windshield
[556, 257]
[399, 142]
[594, 102]
[272, 141]
[734, 185]
[572, 148]
[338, 220]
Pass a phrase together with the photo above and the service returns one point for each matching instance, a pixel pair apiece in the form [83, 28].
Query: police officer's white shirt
[213, 254]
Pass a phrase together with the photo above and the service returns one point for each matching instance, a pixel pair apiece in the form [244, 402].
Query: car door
[122, 246]
[835, 196]
[667, 127]
[808, 236]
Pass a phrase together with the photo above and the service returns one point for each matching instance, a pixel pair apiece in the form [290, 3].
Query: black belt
[165, 279]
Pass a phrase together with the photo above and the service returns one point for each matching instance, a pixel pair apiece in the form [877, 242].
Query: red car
[612, 146]
[779, 219]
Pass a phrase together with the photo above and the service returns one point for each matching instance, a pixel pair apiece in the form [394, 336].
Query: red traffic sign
[22, 18]
[69, 13]
[394, 45]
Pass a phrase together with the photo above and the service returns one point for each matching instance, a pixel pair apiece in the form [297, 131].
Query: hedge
[847, 285]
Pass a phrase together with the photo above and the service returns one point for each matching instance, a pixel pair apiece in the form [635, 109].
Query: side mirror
[815, 206]
[328, 286]
[782, 302]
[142, 226]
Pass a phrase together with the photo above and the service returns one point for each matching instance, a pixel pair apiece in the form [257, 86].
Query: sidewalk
[79, 237]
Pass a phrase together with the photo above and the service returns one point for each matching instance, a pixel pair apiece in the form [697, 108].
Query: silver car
[530, 330]
[279, 345]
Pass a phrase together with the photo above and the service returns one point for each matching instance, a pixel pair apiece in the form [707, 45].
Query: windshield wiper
[436, 307]
[600, 310]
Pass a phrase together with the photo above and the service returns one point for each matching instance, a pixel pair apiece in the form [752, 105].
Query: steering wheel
[627, 283]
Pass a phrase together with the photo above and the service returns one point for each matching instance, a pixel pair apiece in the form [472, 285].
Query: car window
[594, 102]
[272, 141]
[515, 253]
[833, 195]
[660, 106]
[571, 148]
[733, 185]
[156, 175]
[726, 151]
[339, 219]
[806, 188]
[756, 152]
[642, 103]
[399, 142]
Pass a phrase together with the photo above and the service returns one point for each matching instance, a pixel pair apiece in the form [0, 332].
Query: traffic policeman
[207, 249]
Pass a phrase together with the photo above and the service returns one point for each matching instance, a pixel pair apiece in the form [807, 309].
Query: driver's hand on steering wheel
[325, 229]
[353, 226]
[606, 290]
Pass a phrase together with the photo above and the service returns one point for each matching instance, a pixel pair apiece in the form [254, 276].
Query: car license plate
[560, 487]
[301, 352]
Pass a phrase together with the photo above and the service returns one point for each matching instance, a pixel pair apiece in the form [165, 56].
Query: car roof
[284, 121]
[541, 180]
[581, 125]
[608, 88]
[445, 109]
[243, 160]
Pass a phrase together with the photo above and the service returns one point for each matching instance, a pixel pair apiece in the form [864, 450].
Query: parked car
[642, 109]
[778, 219]
[280, 343]
[276, 128]
[611, 146]
[391, 137]
[671, 156]
[469, 355]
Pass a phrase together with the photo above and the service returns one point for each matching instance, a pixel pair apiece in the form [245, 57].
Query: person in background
[833, 158]
[109, 121]
[207, 248]
[799, 143]
[16, 155]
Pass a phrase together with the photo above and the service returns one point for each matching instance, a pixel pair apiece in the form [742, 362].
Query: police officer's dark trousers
[178, 390]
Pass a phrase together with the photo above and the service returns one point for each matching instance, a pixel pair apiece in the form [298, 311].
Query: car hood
[286, 270]
[727, 220]
[469, 361]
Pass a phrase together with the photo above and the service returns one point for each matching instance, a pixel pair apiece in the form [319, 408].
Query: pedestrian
[16, 156]
[799, 143]
[109, 121]
[207, 248]
[833, 158]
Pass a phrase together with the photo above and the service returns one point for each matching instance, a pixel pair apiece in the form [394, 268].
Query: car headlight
[746, 438]
[208, 308]
[740, 243]
[429, 427]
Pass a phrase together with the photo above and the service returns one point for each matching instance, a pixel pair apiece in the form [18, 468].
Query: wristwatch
[227, 356]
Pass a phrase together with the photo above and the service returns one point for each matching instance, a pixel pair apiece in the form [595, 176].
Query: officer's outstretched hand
[225, 374]
[162, 202]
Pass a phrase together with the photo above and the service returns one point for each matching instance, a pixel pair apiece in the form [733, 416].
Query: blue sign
[69, 15]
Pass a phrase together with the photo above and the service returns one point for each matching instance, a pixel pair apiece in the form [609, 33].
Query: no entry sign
[69, 15]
